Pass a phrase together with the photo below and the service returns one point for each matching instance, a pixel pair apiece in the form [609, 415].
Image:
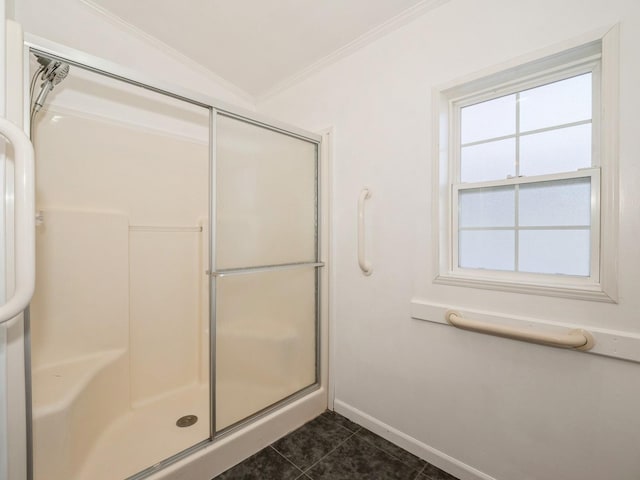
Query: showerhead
[54, 70]
[53, 73]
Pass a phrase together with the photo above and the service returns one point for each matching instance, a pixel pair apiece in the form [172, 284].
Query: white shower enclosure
[179, 269]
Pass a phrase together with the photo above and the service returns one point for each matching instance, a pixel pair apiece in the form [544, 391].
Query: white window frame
[596, 53]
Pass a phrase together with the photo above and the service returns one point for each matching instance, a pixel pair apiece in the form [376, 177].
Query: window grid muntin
[530, 227]
[529, 132]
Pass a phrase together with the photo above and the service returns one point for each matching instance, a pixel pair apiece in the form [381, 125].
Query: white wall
[507, 409]
[76, 24]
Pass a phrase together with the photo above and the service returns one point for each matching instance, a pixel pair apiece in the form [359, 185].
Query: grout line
[352, 434]
[313, 464]
[349, 430]
[360, 427]
[422, 470]
[301, 471]
[328, 453]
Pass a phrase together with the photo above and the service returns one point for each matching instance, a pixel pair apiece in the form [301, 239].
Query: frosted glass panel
[266, 191]
[562, 150]
[556, 103]
[555, 251]
[488, 161]
[265, 345]
[558, 203]
[491, 119]
[489, 249]
[487, 207]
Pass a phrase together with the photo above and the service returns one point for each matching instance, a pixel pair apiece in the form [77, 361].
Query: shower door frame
[37, 45]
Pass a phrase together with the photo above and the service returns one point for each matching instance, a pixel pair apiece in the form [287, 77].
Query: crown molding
[362, 41]
[167, 49]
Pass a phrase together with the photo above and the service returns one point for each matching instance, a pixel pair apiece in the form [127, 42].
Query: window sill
[593, 293]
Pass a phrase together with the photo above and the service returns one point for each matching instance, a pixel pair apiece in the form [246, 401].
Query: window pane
[562, 150]
[557, 103]
[488, 161]
[487, 207]
[489, 249]
[266, 196]
[491, 119]
[558, 203]
[265, 340]
[563, 252]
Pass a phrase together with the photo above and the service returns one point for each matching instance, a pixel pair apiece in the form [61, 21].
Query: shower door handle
[365, 265]
[24, 215]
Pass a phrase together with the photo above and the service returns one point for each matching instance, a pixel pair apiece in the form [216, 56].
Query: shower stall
[180, 274]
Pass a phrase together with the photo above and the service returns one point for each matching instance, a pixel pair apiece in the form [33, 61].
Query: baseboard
[410, 444]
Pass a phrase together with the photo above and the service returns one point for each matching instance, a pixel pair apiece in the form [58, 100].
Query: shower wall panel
[120, 313]
[98, 164]
[158, 183]
[81, 306]
[165, 273]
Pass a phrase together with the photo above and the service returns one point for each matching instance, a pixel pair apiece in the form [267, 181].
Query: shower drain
[187, 421]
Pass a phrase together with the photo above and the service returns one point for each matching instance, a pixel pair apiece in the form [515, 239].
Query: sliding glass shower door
[177, 293]
[266, 264]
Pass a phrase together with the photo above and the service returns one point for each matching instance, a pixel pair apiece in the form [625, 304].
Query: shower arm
[24, 214]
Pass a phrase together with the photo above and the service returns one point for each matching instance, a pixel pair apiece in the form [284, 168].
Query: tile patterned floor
[330, 447]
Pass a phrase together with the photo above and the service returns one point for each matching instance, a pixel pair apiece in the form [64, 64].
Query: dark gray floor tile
[342, 421]
[267, 464]
[357, 459]
[309, 443]
[434, 473]
[392, 449]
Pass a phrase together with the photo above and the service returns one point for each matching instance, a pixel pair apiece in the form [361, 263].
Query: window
[523, 169]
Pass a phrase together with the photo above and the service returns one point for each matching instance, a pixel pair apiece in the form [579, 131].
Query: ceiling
[259, 45]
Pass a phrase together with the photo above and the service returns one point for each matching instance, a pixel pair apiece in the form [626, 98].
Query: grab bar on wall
[577, 339]
[365, 266]
[24, 214]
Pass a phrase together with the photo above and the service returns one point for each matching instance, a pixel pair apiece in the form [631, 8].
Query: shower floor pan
[145, 436]
[85, 429]
[149, 434]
